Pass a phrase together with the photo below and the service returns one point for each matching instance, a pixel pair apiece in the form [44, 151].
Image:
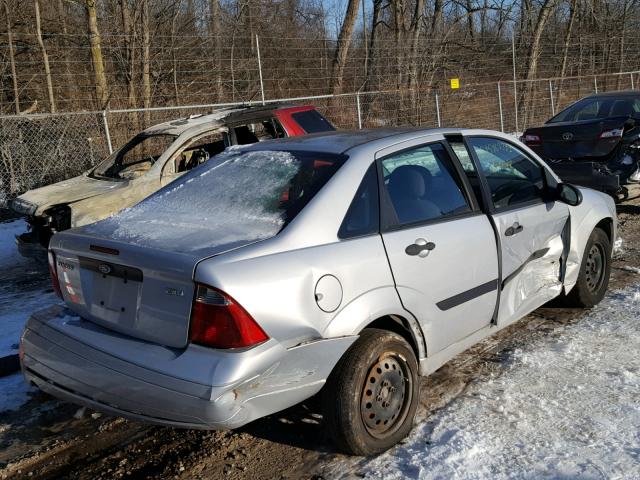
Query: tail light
[218, 321]
[531, 139]
[614, 133]
[55, 283]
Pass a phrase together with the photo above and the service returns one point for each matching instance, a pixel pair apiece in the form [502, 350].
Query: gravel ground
[552, 396]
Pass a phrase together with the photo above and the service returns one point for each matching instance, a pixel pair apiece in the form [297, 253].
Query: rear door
[440, 246]
[530, 225]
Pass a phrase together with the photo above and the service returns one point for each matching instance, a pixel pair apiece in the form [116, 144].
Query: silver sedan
[345, 263]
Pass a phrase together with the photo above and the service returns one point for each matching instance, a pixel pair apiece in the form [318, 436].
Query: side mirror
[569, 194]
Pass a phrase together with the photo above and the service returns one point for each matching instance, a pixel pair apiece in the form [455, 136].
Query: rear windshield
[597, 108]
[235, 198]
[312, 122]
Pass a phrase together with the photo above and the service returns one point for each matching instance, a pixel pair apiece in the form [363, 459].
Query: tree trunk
[534, 52]
[12, 60]
[45, 58]
[373, 46]
[416, 28]
[146, 63]
[102, 91]
[342, 49]
[68, 79]
[565, 49]
[216, 34]
[130, 53]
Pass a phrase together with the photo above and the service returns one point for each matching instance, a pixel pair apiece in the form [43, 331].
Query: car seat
[407, 187]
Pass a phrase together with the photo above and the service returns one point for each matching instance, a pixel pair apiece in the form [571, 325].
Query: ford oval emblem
[567, 136]
[104, 268]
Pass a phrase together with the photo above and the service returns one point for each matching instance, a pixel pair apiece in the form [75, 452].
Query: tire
[370, 399]
[595, 269]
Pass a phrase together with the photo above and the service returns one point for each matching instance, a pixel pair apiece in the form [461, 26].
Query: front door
[531, 227]
[441, 248]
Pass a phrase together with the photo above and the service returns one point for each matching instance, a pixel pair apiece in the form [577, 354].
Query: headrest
[408, 181]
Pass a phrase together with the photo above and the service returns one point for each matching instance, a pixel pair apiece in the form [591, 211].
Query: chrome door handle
[513, 229]
[420, 248]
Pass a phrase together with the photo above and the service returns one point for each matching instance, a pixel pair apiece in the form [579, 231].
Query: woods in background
[70, 55]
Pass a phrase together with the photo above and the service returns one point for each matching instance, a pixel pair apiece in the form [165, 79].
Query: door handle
[420, 248]
[513, 229]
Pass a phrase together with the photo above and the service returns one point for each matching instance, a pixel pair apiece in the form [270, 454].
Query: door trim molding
[460, 298]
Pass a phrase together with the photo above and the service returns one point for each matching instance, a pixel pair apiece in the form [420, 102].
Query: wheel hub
[385, 395]
[594, 271]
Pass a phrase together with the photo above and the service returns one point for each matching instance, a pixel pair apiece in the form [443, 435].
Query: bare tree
[102, 91]
[342, 49]
[45, 58]
[146, 62]
[12, 60]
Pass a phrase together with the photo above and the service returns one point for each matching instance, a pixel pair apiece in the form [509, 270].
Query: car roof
[343, 141]
[219, 117]
[617, 93]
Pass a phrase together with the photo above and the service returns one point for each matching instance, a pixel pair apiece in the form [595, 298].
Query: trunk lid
[139, 291]
[576, 140]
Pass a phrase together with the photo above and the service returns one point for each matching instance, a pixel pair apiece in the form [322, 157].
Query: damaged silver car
[150, 160]
[344, 264]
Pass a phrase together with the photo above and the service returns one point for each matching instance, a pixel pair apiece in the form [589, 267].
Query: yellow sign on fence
[455, 83]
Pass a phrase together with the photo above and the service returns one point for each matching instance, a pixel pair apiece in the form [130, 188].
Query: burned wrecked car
[150, 160]
[595, 142]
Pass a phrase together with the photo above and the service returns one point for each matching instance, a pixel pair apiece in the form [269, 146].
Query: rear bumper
[29, 246]
[196, 387]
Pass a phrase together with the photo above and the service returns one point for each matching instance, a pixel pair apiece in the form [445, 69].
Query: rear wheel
[371, 396]
[595, 269]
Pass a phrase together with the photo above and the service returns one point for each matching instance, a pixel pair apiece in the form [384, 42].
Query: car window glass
[423, 185]
[312, 122]
[200, 151]
[513, 177]
[460, 149]
[362, 218]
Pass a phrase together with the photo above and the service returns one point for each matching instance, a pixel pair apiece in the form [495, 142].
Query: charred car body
[595, 142]
[150, 160]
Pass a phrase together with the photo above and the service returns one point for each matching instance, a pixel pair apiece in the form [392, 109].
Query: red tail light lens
[55, 283]
[218, 321]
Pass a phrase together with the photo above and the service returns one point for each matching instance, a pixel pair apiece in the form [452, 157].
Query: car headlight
[23, 206]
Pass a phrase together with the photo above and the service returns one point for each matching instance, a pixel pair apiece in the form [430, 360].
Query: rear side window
[363, 216]
[514, 179]
[423, 185]
[312, 122]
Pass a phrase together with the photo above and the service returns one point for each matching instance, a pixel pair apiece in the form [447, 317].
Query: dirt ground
[50, 439]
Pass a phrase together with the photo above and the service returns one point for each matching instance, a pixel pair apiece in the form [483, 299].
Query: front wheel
[595, 269]
[371, 396]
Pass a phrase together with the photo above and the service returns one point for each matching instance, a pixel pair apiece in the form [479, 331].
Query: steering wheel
[504, 190]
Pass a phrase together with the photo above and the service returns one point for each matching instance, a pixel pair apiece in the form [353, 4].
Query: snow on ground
[15, 392]
[564, 407]
[23, 288]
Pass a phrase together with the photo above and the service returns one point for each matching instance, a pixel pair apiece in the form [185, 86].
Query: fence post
[632, 86]
[515, 88]
[438, 108]
[260, 69]
[500, 108]
[359, 112]
[553, 107]
[106, 131]
[595, 83]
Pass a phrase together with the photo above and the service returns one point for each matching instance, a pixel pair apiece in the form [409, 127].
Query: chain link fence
[37, 150]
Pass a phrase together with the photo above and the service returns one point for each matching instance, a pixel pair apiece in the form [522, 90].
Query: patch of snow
[15, 392]
[17, 300]
[618, 248]
[629, 268]
[565, 406]
[232, 199]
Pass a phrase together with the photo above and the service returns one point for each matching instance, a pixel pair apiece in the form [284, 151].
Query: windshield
[596, 108]
[135, 158]
[235, 198]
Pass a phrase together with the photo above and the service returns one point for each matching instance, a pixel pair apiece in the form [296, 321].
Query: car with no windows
[347, 264]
